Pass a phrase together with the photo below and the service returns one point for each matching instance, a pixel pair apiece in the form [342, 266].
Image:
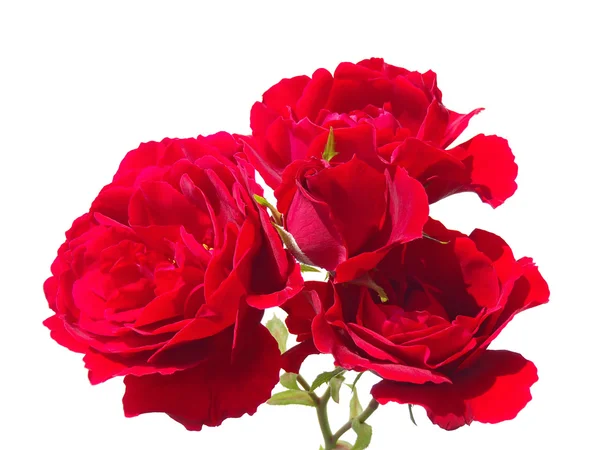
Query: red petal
[495, 389]
[292, 359]
[62, 336]
[355, 193]
[214, 391]
[492, 168]
[408, 207]
[312, 227]
[285, 93]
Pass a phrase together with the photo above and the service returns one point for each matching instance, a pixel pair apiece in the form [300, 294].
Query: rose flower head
[165, 279]
[422, 319]
[411, 128]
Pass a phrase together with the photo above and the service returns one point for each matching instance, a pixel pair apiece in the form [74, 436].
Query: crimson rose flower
[411, 129]
[164, 281]
[346, 217]
[423, 320]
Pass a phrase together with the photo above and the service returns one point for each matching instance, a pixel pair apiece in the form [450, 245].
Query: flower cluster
[166, 278]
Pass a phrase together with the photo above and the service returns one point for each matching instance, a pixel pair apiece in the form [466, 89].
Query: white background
[83, 82]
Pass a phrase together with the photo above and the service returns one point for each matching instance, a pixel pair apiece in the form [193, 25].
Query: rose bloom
[346, 217]
[164, 281]
[410, 126]
[422, 320]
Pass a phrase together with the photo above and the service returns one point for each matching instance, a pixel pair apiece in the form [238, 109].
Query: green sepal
[325, 377]
[279, 332]
[336, 383]
[410, 412]
[307, 268]
[353, 386]
[364, 433]
[292, 245]
[264, 202]
[355, 406]
[289, 380]
[291, 398]
[329, 151]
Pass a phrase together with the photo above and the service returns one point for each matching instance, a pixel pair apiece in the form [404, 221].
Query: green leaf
[410, 412]
[329, 151]
[355, 406]
[292, 246]
[364, 433]
[325, 377]
[264, 202]
[289, 380]
[291, 398]
[336, 383]
[307, 268]
[279, 332]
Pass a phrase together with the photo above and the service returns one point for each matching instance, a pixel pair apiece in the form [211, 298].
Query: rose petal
[213, 391]
[495, 389]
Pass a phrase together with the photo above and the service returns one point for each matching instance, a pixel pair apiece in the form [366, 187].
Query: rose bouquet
[166, 278]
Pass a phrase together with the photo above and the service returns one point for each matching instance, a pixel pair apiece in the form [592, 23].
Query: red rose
[412, 129]
[423, 319]
[165, 279]
[346, 217]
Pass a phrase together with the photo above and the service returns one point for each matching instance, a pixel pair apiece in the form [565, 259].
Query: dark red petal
[147, 154]
[327, 341]
[493, 390]
[529, 290]
[511, 378]
[301, 309]
[214, 391]
[457, 123]
[271, 174]
[359, 141]
[442, 126]
[292, 287]
[102, 367]
[495, 248]
[347, 359]
[360, 264]
[408, 207]
[285, 93]
[355, 193]
[314, 231]
[276, 276]
[491, 166]
[427, 163]
[113, 202]
[314, 96]
[444, 406]
[62, 336]
[292, 359]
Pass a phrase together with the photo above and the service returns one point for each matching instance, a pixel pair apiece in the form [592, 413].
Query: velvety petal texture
[409, 127]
[422, 319]
[492, 391]
[165, 279]
[346, 216]
[220, 387]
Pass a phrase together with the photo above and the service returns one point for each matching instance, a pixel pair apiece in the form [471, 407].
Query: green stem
[324, 420]
[321, 405]
[362, 417]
